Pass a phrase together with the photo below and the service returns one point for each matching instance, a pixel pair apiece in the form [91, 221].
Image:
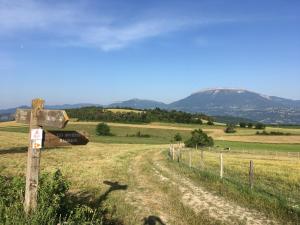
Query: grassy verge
[276, 191]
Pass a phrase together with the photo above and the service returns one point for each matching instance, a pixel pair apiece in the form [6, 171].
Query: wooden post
[202, 158]
[251, 174]
[178, 155]
[221, 166]
[173, 153]
[190, 161]
[33, 161]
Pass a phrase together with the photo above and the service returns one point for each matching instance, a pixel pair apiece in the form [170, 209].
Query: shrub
[250, 125]
[230, 129]
[272, 133]
[139, 134]
[260, 126]
[243, 125]
[103, 129]
[177, 137]
[210, 123]
[54, 204]
[199, 138]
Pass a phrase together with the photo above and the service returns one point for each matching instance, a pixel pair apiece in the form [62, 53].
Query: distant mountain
[11, 110]
[70, 106]
[139, 104]
[8, 114]
[241, 103]
[221, 103]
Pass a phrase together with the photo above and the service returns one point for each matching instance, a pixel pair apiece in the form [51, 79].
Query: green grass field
[163, 136]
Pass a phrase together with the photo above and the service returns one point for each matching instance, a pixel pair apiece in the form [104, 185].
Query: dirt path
[149, 168]
[200, 199]
[144, 195]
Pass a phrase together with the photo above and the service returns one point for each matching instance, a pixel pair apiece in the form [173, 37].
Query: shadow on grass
[153, 220]
[87, 197]
[114, 186]
[14, 150]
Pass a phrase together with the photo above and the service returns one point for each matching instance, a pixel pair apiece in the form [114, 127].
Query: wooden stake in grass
[173, 152]
[190, 161]
[221, 166]
[251, 174]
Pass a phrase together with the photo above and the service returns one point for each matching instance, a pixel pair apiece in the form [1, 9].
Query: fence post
[173, 153]
[221, 166]
[178, 155]
[202, 158]
[190, 156]
[251, 174]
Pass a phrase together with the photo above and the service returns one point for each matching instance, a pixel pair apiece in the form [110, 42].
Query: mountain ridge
[234, 102]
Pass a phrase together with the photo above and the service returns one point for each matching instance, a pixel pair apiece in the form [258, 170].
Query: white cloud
[70, 24]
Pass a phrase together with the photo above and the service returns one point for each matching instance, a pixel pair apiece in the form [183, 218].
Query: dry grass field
[142, 186]
[217, 132]
[119, 176]
[276, 174]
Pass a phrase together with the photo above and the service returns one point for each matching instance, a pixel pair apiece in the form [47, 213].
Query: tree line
[145, 116]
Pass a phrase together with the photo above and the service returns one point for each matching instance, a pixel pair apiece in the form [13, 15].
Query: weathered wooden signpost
[37, 117]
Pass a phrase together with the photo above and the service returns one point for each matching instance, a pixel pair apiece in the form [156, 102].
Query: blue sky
[105, 51]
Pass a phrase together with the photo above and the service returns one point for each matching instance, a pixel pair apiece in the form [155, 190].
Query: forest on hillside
[145, 116]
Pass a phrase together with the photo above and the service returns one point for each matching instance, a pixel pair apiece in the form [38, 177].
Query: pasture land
[120, 177]
[134, 178]
[163, 133]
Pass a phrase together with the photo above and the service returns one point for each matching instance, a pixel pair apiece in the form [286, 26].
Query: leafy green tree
[145, 116]
[230, 128]
[210, 123]
[243, 125]
[250, 125]
[177, 137]
[260, 126]
[199, 138]
[103, 129]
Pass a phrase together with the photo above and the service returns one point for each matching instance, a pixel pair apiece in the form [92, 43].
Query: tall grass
[55, 205]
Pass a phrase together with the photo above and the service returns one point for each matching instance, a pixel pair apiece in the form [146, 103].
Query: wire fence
[272, 174]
